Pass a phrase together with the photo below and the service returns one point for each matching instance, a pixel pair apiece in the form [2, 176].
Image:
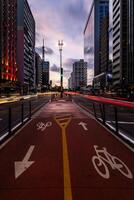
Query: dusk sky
[60, 20]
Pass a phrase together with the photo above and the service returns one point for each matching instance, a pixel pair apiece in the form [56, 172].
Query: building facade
[130, 70]
[8, 43]
[119, 48]
[96, 40]
[45, 74]
[38, 71]
[89, 43]
[69, 83]
[123, 43]
[79, 74]
[25, 46]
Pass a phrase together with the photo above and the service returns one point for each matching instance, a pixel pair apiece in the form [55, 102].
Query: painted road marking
[100, 162]
[42, 126]
[63, 122]
[121, 122]
[1, 119]
[22, 166]
[83, 124]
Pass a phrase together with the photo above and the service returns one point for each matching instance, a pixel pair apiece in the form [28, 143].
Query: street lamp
[60, 43]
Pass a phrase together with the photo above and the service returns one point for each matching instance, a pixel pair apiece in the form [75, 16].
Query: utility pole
[60, 43]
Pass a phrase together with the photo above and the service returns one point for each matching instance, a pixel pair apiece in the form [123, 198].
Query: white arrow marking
[83, 124]
[22, 166]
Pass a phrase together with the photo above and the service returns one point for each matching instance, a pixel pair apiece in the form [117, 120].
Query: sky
[60, 20]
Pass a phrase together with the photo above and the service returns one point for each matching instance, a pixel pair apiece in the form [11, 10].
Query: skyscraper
[25, 45]
[130, 70]
[96, 30]
[123, 43]
[45, 74]
[110, 35]
[38, 71]
[8, 41]
[79, 75]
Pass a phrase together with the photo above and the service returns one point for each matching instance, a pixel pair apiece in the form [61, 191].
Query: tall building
[96, 40]
[123, 43]
[45, 74]
[38, 71]
[104, 45]
[8, 42]
[69, 83]
[130, 70]
[89, 47]
[110, 36]
[79, 75]
[25, 45]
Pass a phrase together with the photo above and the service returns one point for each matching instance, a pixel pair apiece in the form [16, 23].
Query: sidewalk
[63, 154]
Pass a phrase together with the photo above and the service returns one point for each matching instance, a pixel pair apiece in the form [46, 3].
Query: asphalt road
[62, 154]
[125, 115]
[16, 111]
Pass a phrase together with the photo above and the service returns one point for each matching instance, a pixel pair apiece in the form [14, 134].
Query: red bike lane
[40, 175]
[101, 167]
[56, 156]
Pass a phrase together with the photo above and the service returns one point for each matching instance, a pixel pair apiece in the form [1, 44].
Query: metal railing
[118, 119]
[118, 116]
[15, 115]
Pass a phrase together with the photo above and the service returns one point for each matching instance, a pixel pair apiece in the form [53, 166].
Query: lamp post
[60, 43]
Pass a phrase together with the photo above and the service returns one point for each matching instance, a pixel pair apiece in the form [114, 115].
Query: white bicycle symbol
[41, 126]
[99, 161]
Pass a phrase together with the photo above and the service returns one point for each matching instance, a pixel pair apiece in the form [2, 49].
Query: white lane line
[121, 122]
[115, 136]
[126, 122]
[122, 134]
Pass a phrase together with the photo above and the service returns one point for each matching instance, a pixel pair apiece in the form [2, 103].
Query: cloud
[60, 20]
[88, 50]
[55, 68]
[68, 66]
[48, 50]
[69, 62]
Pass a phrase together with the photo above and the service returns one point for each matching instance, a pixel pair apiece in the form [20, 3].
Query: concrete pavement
[62, 154]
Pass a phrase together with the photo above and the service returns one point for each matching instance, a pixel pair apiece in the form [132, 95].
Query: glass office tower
[96, 50]
[89, 43]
